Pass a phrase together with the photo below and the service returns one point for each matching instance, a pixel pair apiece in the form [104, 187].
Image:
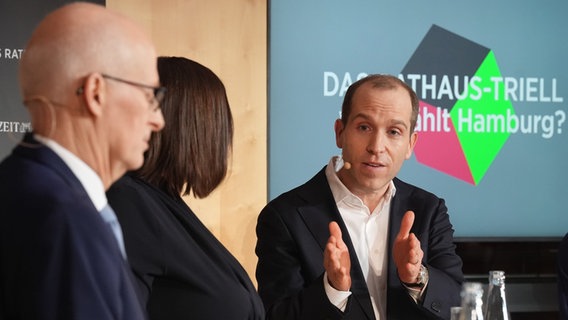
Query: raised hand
[336, 260]
[407, 253]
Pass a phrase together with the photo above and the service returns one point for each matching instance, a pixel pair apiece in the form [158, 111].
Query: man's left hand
[407, 253]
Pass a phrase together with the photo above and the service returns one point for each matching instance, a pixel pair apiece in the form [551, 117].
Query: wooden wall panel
[230, 37]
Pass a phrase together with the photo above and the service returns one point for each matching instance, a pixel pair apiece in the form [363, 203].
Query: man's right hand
[336, 260]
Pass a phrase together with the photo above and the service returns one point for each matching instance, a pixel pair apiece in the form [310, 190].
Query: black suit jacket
[58, 258]
[292, 232]
[183, 271]
[562, 264]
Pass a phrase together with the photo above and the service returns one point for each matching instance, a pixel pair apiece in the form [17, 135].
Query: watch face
[422, 276]
[421, 279]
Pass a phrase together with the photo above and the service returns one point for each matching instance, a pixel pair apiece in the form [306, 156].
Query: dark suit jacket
[58, 258]
[183, 271]
[562, 261]
[292, 232]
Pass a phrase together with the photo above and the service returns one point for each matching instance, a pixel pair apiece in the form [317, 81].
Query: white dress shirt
[92, 184]
[369, 235]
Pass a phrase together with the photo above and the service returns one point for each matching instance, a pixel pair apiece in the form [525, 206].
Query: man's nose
[157, 120]
[376, 143]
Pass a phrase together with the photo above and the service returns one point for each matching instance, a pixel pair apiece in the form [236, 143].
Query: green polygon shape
[482, 140]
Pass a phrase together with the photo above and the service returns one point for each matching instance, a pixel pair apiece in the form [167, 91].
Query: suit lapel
[396, 214]
[319, 211]
[36, 151]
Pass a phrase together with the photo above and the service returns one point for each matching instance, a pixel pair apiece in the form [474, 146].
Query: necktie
[110, 218]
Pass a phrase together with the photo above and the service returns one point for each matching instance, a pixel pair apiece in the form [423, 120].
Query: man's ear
[338, 127]
[413, 139]
[94, 93]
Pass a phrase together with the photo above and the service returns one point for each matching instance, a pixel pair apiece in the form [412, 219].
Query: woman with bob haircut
[182, 270]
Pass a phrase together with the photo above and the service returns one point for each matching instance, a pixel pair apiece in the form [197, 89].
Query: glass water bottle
[496, 302]
[472, 304]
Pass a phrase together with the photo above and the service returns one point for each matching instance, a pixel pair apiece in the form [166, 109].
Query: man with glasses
[89, 80]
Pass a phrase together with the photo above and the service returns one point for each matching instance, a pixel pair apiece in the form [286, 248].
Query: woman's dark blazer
[182, 270]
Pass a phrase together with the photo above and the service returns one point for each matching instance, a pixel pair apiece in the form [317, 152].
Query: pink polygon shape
[442, 150]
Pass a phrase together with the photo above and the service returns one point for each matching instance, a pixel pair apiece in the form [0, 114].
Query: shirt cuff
[337, 298]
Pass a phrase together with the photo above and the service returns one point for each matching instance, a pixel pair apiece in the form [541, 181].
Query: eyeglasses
[158, 93]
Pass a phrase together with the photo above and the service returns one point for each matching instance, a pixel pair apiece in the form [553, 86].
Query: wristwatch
[421, 279]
